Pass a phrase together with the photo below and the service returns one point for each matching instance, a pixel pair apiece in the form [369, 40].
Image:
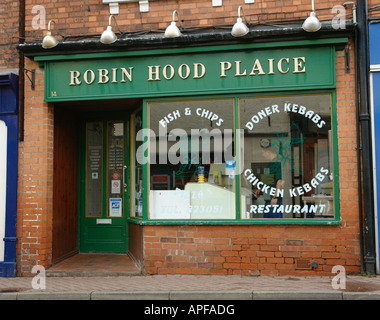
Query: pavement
[189, 287]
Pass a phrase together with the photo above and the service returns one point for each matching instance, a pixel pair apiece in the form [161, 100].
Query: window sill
[332, 222]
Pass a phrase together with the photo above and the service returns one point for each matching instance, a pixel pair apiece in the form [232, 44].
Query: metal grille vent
[304, 264]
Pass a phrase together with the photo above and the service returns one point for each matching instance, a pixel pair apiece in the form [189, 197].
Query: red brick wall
[89, 18]
[35, 179]
[81, 18]
[9, 32]
[248, 250]
[373, 8]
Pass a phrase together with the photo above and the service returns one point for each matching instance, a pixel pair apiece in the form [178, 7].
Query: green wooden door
[104, 189]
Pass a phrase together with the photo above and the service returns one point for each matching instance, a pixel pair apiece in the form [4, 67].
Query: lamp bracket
[114, 8]
[114, 5]
[32, 77]
[219, 3]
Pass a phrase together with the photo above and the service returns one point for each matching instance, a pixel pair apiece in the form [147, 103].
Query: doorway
[104, 185]
[69, 178]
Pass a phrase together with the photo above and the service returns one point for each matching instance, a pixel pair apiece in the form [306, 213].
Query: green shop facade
[193, 158]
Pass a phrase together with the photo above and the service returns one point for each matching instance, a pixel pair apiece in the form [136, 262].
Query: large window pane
[288, 160]
[192, 159]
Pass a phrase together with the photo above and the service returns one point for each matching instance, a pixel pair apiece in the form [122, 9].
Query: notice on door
[115, 207]
[115, 186]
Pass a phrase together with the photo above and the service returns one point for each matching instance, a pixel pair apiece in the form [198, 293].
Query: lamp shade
[172, 31]
[311, 24]
[49, 41]
[239, 29]
[108, 36]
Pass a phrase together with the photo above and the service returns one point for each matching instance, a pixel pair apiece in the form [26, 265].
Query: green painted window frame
[132, 164]
[238, 221]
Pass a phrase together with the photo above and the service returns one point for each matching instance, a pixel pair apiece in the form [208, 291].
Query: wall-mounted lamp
[108, 36]
[312, 23]
[50, 41]
[172, 31]
[240, 29]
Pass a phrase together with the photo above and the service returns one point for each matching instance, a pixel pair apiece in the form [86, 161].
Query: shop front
[217, 159]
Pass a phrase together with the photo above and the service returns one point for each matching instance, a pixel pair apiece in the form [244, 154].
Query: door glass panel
[94, 168]
[137, 174]
[115, 171]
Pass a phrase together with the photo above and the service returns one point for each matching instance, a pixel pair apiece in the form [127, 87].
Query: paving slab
[8, 296]
[211, 295]
[361, 295]
[133, 295]
[67, 295]
[297, 295]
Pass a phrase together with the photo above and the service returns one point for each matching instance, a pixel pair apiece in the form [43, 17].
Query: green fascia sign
[296, 65]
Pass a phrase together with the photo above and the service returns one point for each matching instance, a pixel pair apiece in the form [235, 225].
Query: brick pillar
[35, 180]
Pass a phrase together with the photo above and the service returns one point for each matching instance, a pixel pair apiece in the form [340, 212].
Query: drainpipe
[359, 165]
[365, 132]
[21, 70]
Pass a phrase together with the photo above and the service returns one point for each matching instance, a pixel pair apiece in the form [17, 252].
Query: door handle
[124, 184]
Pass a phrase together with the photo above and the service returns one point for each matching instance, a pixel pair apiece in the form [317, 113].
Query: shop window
[267, 158]
[288, 159]
[191, 163]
